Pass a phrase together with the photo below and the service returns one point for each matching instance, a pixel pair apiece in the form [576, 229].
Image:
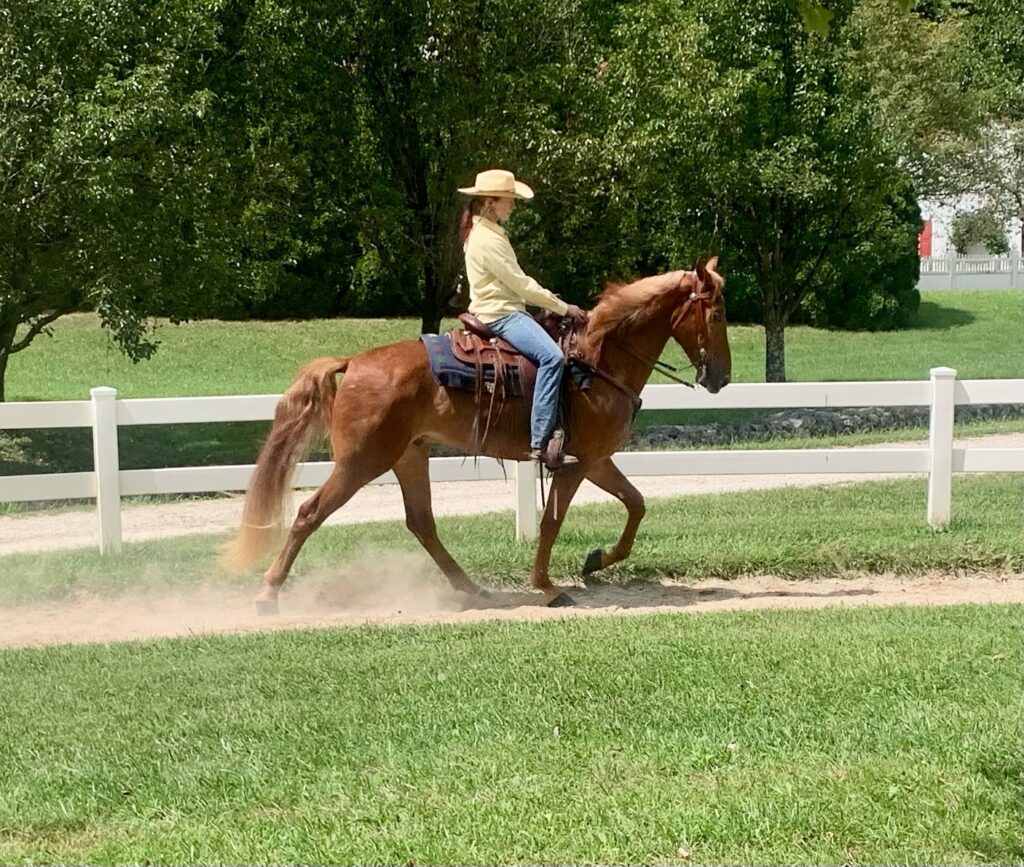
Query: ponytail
[472, 209]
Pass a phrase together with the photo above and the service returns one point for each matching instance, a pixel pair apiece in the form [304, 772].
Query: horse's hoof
[562, 600]
[267, 607]
[593, 562]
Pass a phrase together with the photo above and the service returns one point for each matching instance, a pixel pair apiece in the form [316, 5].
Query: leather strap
[696, 302]
[607, 377]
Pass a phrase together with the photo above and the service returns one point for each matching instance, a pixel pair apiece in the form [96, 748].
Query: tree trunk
[3, 373]
[774, 349]
[8, 330]
[431, 312]
[441, 265]
[5, 356]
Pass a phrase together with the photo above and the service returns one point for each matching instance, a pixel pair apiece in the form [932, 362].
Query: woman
[499, 292]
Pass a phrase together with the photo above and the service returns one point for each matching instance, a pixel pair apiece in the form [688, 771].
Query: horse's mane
[624, 302]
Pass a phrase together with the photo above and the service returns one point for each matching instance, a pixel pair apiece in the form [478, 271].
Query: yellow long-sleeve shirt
[497, 285]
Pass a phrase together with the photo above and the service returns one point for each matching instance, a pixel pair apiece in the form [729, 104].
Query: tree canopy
[274, 159]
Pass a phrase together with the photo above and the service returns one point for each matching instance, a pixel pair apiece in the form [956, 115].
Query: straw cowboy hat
[498, 182]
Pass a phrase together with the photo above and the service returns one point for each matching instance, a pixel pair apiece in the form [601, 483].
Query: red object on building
[924, 240]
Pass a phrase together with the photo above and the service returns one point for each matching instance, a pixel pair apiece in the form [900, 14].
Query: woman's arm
[502, 262]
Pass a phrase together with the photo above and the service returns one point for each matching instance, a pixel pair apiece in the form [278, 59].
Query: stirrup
[550, 465]
[553, 455]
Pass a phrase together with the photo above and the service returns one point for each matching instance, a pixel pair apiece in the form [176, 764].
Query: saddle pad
[449, 372]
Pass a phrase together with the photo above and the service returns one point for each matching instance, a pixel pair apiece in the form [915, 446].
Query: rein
[695, 302]
[663, 367]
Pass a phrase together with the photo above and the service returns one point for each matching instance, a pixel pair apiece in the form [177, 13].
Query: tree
[984, 159]
[872, 283]
[184, 161]
[103, 160]
[770, 145]
[981, 226]
[448, 88]
[285, 126]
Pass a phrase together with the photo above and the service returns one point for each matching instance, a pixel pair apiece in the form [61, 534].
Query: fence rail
[971, 272]
[108, 483]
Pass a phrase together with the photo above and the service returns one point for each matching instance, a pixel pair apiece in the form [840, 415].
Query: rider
[499, 292]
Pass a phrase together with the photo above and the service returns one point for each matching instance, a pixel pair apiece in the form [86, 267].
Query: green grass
[797, 533]
[210, 358]
[832, 736]
[258, 357]
[978, 333]
[206, 357]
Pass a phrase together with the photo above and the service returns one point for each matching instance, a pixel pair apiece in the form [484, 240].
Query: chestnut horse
[388, 410]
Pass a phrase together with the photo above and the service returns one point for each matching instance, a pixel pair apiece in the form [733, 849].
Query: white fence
[108, 483]
[971, 272]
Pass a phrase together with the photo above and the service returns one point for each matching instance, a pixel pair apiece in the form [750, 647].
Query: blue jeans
[526, 335]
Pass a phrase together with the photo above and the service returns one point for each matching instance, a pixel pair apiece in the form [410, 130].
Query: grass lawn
[210, 357]
[795, 533]
[828, 736]
[831, 736]
[978, 333]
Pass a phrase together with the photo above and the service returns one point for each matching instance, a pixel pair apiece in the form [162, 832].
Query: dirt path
[78, 529]
[413, 598]
[405, 588]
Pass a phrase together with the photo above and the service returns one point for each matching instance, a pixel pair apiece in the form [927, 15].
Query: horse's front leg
[564, 485]
[609, 477]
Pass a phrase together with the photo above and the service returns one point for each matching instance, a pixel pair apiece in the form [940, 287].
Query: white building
[945, 267]
[938, 223]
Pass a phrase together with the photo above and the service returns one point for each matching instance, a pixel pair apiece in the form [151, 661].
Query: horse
[387, 411]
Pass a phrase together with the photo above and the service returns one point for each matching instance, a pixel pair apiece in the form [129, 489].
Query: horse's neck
[629, 351]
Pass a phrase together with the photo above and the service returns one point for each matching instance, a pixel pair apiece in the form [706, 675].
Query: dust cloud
[396, 588]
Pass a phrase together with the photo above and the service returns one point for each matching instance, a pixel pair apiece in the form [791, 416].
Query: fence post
[107, 467]
[526, 501]
[940, 447]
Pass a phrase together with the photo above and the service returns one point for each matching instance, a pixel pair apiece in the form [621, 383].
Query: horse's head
[698, 325]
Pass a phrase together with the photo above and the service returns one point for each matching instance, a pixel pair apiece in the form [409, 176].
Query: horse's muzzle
[712, 383]
[709, 375]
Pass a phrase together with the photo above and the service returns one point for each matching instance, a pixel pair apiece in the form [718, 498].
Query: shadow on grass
[59, 450]
[69, 450]
[993, 850]
[650, 594]
[933, 317]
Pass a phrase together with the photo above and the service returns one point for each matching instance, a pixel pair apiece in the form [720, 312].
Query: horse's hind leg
[609, 477]
[349, 475]
[413, 473]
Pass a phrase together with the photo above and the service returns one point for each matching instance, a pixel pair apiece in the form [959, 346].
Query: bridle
[697, 303]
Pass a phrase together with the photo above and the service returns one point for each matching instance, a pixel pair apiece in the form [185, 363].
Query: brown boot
[552, 463]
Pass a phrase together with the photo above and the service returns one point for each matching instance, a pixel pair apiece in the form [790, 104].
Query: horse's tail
[303, 412]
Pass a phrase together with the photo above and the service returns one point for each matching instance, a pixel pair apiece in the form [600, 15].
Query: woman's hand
[577, 313]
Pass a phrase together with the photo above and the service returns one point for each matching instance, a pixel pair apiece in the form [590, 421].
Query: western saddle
[514, 375]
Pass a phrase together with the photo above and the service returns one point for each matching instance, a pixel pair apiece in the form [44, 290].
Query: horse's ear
[700, 271]
[712, 264]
